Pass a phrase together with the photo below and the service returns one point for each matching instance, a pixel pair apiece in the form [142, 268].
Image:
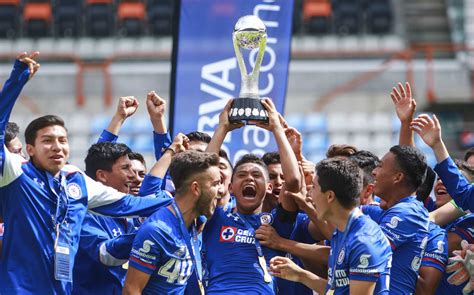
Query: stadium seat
[317, 16]
[37, 19]
[67, 17]
[346, 15]
[100, 17]
[131, 17]
[378, 17]
[160, 16]
[9, 18]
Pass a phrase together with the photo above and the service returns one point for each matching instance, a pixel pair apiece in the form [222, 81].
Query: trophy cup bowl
[249, 33]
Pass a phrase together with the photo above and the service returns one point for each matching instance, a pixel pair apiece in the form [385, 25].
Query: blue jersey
[436, 252]
[406, 226]
[300, 234]
[230, 254]
[456, 184]
[464, 228]
[361, 253]
[30, 199]
[160, 250]
[104, 248]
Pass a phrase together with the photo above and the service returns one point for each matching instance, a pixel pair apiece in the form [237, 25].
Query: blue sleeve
[107, 136]
[373, 211]
[368, 258]
[464, 228]
[457, 186]
[94, 237]
[146, 250]
[150, 185]
[436, 253]
[284, 229]
[300, 232]
[10, 92]
[131, 206]
[161, 141]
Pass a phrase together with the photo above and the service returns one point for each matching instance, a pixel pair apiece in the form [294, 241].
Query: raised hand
[155, 105]
[180, 143]
[274, 118]
[405, 104]
[428, 129]
[296, 141]
[224, 118]
[127, 106]
[268, 236]
[29, 60]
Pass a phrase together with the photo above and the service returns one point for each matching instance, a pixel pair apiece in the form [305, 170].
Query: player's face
[121, 176]
[211, 187]
[249, 185]
[15, 146]
[197, 145]
[139, 171]
[51, 149]
[319, 199]
[384, 175]
[470, 160]
[276, 178]
[442, 196]
[226, 176]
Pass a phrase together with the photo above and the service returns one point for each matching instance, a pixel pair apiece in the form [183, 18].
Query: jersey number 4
[176, 271]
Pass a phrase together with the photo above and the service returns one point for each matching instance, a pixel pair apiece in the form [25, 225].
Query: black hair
[11, 132]
[137, 156]
[40, 123]
[343, 178]
[199, 136]
[367, 162]
[103, 156]
[469, 153]
[189, 163]
[223, 154]
[251, 158]
[271, 158]
[424, 190]
[412, 163]
[466, 169]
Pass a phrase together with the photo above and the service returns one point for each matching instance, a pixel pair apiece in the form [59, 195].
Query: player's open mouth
[441, 191]
[276, 191]
[249, 191]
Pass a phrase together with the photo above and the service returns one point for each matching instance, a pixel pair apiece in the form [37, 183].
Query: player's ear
[330, 196]
[194, 188]
[101, 176]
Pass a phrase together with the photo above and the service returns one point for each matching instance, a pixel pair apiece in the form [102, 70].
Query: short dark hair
[412, 163]
[250, 158]
[40, 123]
[103, 156]
[11, 132]
[340, 150]
[189, 163]
[271, 158]
[137, 156]
[367, 162]
[199, 136]
[223, 154]
[424, 190]
[469, 153]
[343, 178]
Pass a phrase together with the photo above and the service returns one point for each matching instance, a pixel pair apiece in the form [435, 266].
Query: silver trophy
[249, 33]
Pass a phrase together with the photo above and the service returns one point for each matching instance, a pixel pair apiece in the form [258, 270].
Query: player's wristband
[173, 152]
[286, 216]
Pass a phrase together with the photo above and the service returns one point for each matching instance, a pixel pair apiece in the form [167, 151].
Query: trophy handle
[240, 60]
[259, 59]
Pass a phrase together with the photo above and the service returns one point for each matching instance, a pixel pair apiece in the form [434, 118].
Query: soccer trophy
[249, 33]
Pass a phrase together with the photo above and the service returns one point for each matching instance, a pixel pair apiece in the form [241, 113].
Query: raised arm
[156, 107]
[405, 107]
[24, 68]
[289, 164]
[126, 107]
[180, 144]
[222, 129]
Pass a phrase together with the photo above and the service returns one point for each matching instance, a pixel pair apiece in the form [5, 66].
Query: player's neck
[249, 212]
[187, 210]
[340, 217]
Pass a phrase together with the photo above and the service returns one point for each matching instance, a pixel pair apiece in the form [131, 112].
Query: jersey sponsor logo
[74, 191]
[394, 222]
[416, 263]
[364, 261]
[340, 258]
[266, 218]
[227, 234]
[116, 232]
[146, 246]
[440, 247]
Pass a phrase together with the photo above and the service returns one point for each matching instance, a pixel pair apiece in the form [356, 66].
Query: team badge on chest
[74, 191]
[266, 218]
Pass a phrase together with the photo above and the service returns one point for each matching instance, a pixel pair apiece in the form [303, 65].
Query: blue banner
[206, 70]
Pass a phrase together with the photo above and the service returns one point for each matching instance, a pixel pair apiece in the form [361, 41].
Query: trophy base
[248, 111]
